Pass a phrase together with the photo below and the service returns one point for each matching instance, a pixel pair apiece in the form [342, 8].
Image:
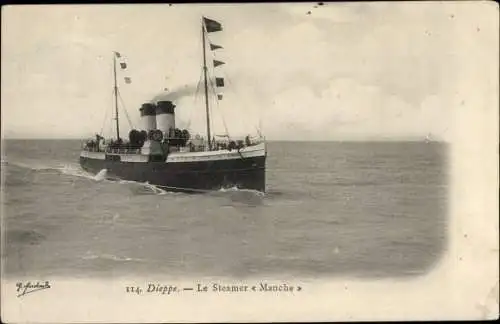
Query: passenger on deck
[97, 143]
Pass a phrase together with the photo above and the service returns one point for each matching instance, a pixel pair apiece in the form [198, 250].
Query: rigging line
[196, 96]
[104, 121]
[106, 110]
[219, 109]
[214, 100]
[222, 116]
[200, 79]
[213, 53]
[210, 84]
[125, 110]
[259, 131]
[224, 123]
[211, 107]
[205, 82]
[214, 56]
[106, 116]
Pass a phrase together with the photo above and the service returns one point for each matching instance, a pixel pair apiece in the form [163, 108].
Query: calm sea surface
[331, 208]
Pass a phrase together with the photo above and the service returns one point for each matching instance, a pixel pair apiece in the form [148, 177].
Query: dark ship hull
[194, 174]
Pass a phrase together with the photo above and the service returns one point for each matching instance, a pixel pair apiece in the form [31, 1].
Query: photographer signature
[30, 287]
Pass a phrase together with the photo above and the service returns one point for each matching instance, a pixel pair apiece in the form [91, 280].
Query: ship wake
[241, 197]
[145, 188]
[235, 189]
[54, 167]
[75, 170]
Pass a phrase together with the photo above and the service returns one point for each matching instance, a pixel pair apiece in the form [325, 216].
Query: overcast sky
[342, 71]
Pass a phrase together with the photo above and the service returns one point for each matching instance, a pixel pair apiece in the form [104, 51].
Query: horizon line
[366, 140]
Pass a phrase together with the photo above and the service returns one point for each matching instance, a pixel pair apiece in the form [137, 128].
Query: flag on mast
[123, 65]
[213, 47]
[128, 80]
[217, 63]
[219, 82]
[118, 54]
[212, 25]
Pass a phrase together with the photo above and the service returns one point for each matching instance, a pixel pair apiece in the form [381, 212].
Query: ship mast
[116, 98]
[206, 83]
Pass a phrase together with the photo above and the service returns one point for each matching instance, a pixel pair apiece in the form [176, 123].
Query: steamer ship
[170, 158]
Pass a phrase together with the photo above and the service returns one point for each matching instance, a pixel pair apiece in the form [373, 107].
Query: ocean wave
[242, 197]
[155, 189]
[72, 169]
[103, 176]
[274, 193]
[35, 166]
[61, 167]
[146, 187]
[111, 257]
[236, 189]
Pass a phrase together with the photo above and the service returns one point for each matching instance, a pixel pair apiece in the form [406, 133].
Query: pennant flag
[219, 96]
[128, 80]
[123, 65]
[219, 82]
[213, 47]
[118, 54]
[212, 25]
[217, 63]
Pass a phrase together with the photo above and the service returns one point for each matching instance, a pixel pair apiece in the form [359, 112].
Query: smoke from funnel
[175, 94]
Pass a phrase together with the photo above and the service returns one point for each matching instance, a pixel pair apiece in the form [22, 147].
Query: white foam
[101, 175]
[90, 256]
[236, 189]
[73, 170]
[156, 190]
[70, 169]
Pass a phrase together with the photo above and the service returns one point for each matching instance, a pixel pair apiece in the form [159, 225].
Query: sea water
[361, 209]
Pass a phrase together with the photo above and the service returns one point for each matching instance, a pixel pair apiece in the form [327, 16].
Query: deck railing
[123, 150]
[195, 148]
[92, 149]
[113, 150]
